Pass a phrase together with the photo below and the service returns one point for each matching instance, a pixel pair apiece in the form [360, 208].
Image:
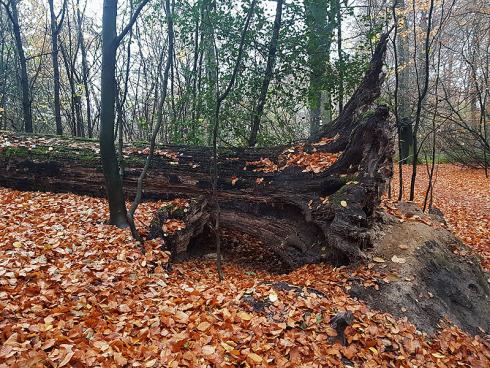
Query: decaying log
[300, 214]
[194, 217]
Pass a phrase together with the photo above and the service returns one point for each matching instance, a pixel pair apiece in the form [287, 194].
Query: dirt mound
[430, 274]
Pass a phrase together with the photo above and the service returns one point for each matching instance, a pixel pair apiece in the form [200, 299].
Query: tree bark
[108, 155]
[110, 43]
[404, 111]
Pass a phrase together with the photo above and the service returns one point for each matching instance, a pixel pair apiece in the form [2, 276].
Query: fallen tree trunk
[306, 203]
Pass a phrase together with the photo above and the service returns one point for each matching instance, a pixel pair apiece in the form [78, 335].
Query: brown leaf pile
[463, 195]
[171, 226]
[77, 293]
[262, 165]
[314, 162]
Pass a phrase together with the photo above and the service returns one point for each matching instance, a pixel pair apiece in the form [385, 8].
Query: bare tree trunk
[12, 12]
[107, 116]
[85, 74]
[428, 193]
[398, 120]
[271, 60]
[142, 176]
[55, 30]
[404, 114]
[120, 102]
[422, 93]
[220, 98]
[110, 43]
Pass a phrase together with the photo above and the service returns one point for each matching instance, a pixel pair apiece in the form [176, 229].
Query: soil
[431, 275]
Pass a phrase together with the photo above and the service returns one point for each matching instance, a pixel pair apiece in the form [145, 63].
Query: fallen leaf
[66, 359]
[124, 308]
[208, 350]
[102, 345]
[203, 326]
[397, 259]
[227, 347]
[17, 244]
[350, 351]
[273, 297]
[244, 316]
[255, 358]
[181, 317]
[438, 355]
[120, 359]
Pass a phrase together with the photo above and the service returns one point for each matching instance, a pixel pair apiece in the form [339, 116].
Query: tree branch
[225, 93]
[59, 25]
[126, 29]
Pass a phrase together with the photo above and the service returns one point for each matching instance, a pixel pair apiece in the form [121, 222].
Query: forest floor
[75, 292]
[463, 196]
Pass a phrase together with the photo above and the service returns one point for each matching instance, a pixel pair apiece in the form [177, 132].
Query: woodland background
[437, 70]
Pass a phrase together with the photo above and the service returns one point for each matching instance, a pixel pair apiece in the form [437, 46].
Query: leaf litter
[76, 292]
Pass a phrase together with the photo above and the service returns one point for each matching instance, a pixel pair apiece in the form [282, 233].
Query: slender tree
[271, 60]
[55, 30]
[85, 72]
[156, 130]
[319, 20]
[404, 120]
[396, 99]
[220, 98]
[422, 88]
[110, 43]
[13, 14]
